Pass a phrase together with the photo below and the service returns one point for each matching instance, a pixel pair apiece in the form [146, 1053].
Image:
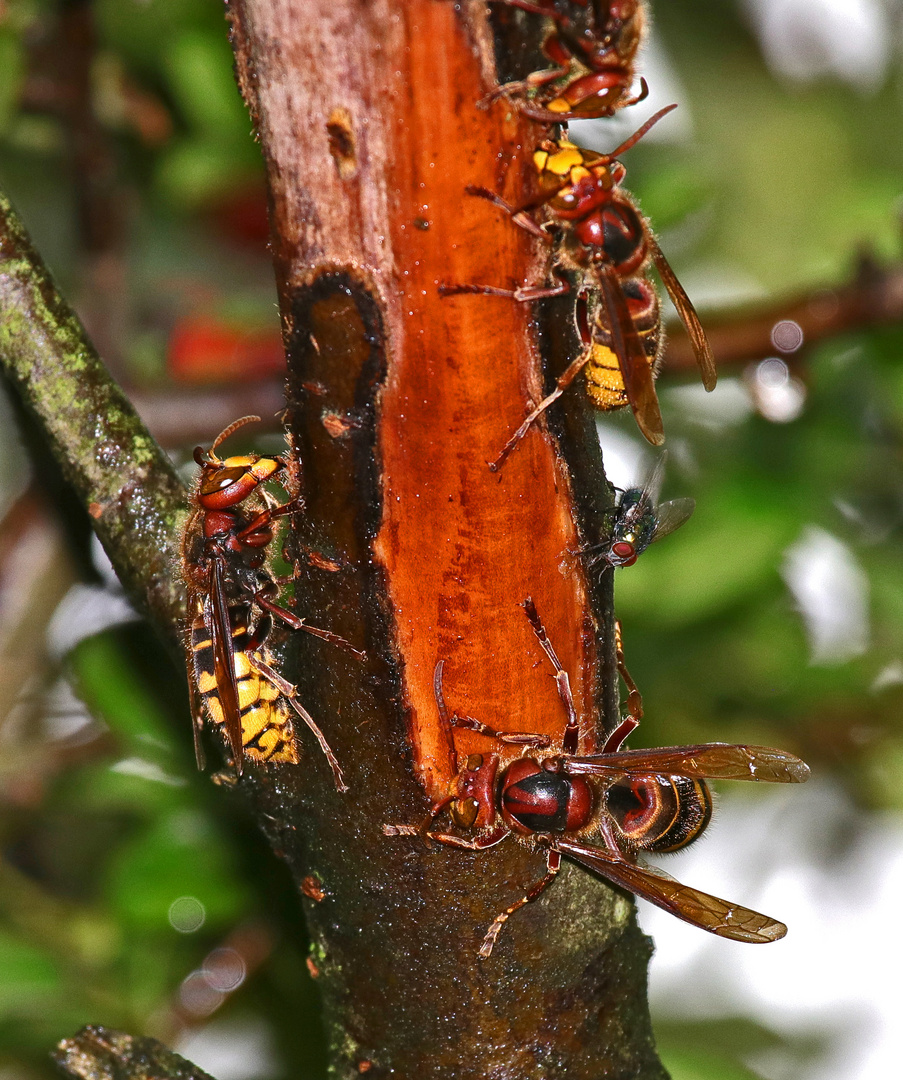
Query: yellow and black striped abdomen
[604, 379]
[604, 376]
[267, 733]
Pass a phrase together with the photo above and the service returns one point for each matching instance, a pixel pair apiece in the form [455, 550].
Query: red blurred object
[240, 216]
[205, 349]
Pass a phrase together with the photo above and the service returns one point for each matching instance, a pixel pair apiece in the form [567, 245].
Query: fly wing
[688, 316]
[216, 615]
[636, 367]
[693, 906]
[671, 515]
[640, 503]
[635, 516]
[653, 483]
[712, 761]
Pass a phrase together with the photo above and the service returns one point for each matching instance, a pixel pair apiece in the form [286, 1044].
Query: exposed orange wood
[464, 547]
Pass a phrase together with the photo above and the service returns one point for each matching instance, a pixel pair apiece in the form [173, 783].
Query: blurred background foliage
[133, 892]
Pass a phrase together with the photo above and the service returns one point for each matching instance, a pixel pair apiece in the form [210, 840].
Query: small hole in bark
[342, 144]
[318, 559]
[311, 887]
[339, 425]
[336, 425]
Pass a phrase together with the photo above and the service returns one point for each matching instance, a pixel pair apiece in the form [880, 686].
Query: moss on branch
[123, 478]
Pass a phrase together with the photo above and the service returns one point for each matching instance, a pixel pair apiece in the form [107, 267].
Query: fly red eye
[624, 552]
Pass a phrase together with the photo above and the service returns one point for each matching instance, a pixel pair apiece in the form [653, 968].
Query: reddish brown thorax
[539, 800]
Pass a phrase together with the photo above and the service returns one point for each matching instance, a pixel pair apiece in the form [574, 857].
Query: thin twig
[874, 297]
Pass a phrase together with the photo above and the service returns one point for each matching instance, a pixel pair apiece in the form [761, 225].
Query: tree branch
[874, 297]
[99, 1053]
[124, 480]
[397, 399]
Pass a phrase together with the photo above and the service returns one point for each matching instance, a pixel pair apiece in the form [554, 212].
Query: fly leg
[263, 598]
[534, 81]
[507, 738]
[259, 532]
[521, 217]
[565, 380]
[481, 843]
[571, 739]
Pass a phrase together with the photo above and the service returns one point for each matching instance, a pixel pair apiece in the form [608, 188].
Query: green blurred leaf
[144, 31]
[28, 976]
[107, 683]
[201, 79]
[12, 70]
[195, 170]
[177, 855]
[704, 1065]
[671, 191]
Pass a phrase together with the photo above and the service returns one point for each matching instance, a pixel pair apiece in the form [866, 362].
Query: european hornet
[604, 239]
[231, 595]
[594, 61]
[638, 522]
[600, 810]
